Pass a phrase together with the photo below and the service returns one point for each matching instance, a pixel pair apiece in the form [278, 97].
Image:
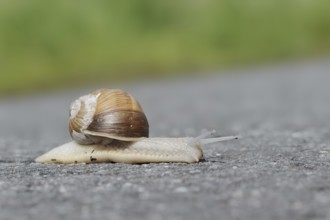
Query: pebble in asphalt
[278, 170]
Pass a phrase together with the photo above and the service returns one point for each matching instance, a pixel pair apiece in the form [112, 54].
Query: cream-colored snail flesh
[109, 125]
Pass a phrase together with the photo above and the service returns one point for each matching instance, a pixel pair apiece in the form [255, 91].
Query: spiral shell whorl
[107, 114]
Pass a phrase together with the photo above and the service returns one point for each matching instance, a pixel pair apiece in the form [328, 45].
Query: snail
[109, 125]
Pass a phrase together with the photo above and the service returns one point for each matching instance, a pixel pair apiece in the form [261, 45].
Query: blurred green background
[51, 44]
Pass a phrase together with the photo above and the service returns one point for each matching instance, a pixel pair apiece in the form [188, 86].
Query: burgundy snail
[109, 125]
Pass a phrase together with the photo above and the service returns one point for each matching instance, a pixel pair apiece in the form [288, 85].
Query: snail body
[110, 126]
[146, 150]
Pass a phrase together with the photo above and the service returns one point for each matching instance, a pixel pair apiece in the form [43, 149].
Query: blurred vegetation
[46, 44]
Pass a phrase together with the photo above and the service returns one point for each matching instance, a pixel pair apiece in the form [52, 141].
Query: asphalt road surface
[278, 170]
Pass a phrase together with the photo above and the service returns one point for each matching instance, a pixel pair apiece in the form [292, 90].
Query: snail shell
[106, 115]
[109, 125]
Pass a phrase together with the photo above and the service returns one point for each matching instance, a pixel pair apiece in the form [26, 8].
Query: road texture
[280, 169]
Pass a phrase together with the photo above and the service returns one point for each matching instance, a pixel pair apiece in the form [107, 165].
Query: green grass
[46, 44]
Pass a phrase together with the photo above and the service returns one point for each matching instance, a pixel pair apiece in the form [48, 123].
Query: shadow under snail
[108, 125]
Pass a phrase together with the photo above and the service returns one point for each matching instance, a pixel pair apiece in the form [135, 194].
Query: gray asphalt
[278, 170]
